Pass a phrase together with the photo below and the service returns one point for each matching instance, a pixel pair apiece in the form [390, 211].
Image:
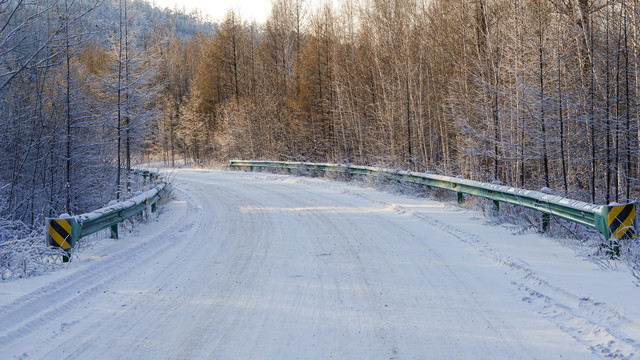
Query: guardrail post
[496, 206]
[460, 198]
[146, 213]
[114, 231]
[546, 219]
[63, 233]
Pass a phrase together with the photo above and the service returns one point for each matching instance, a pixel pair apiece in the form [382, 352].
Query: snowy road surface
[261, 266]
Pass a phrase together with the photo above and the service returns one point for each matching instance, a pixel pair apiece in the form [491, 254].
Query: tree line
[532, 93]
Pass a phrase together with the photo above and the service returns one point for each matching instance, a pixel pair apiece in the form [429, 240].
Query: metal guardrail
[615, 222]
[65, 231]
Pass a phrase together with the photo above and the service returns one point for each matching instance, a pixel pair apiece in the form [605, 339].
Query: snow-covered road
[261, 266]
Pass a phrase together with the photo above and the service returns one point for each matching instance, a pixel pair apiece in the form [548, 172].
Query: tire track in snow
[592, 323]
[385, 332]
[54, 300]
[385, 338]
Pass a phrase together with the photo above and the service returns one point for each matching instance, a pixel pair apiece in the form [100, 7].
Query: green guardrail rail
[615, 222]
[65, 231]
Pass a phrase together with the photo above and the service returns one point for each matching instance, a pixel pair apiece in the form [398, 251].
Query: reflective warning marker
[63, 233]
[59, 233]
[622, 222]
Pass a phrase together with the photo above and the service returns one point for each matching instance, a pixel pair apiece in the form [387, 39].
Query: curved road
[260, 266]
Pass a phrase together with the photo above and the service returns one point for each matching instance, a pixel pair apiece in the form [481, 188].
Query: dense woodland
[79, 97]
[532, 93]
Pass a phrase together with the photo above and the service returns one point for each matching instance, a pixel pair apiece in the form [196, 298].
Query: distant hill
[145, 15]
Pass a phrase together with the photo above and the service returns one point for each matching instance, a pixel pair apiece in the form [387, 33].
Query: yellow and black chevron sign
[59, 233]
[622, 222]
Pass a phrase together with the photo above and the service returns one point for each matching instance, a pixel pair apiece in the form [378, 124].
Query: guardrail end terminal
[63, 233]
[619, 224]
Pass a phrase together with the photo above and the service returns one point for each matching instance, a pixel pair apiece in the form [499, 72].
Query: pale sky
[248, 9]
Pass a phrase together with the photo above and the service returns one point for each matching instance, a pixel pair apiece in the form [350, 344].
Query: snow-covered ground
[262, 266]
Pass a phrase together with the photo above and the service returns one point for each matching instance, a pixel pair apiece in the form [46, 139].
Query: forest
[79, 97]
[533, 93]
